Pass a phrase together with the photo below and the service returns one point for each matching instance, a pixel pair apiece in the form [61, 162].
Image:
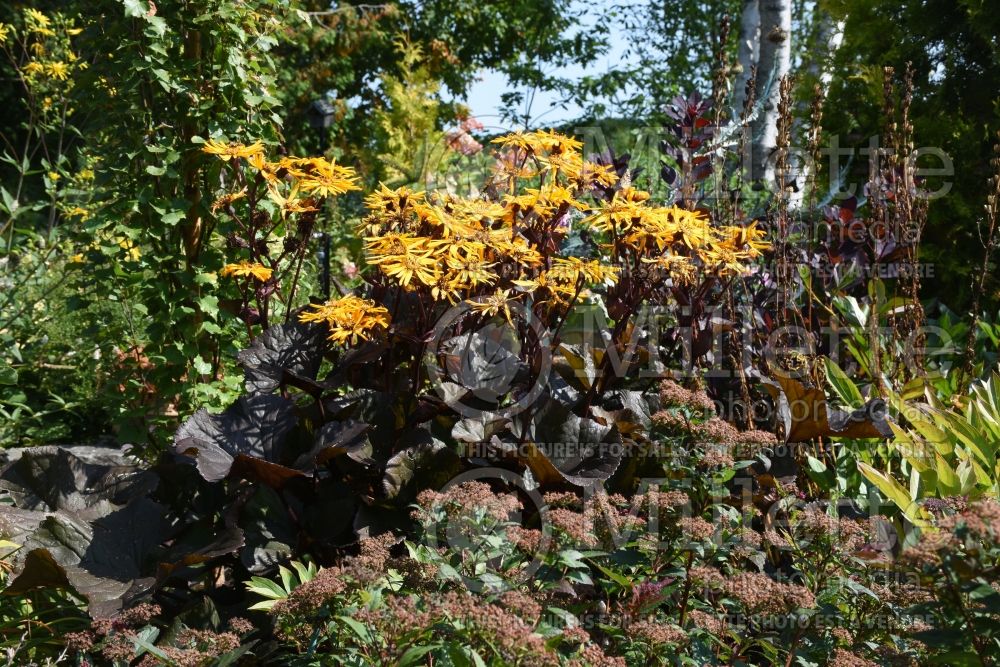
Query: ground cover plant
[404, 389]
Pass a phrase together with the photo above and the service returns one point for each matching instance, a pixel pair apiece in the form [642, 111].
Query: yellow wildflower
[413, 262]
[227, 200]
[747, 239]
[349, 318]
[574, 269]
[387, 200]
[32, 68]
[332, 181]
[264, 168]
[445, 287]
[537, 142]
[38, 22]
[228, 151]
[677, 267]
[292, 203]
[245, 269]
[494, 304]
[57, 70]
[469, 263]
[4, 32]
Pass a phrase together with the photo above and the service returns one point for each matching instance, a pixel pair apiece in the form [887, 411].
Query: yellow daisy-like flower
[387, 200]
[574, 269]
[601, 174]
[415, 262]
[227, 200]
[519, 251]
[228, 151]
[678, 268]
[625, 209]
[392, 243]
[258, 272]
[693, 229]
[291, 203]
[320, 176]
[746, 239]
[4, 32]
[264, 168]
[723, 260]
[556, 196]
[446, 288]
[330, 184]
[37, 18]
[57, 70]
[468, 261]
[32, 68]
[349, 318]
[474, 210]
[38, 22]
[538, 142]
[514, 164]
[494, 304]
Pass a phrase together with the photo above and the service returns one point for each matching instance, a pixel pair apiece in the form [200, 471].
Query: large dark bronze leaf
[284, 349]
[108, 560]
[565, 447]
[54, 478]
[248, 436]
[804, 414]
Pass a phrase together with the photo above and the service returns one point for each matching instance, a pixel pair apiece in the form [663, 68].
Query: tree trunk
[773, 63]
[827, 37]
[749, 49]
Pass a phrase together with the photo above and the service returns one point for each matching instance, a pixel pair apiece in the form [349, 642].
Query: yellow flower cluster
[314, 177]
[489, 253]
[493, 254]
[286, 180]
[51, 62]
[350, 318]
[674, 238]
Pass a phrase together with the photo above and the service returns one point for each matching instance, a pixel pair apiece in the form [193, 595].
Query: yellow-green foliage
[947, 452]
[411, 146]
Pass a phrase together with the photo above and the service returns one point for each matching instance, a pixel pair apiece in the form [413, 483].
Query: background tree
[955, 54]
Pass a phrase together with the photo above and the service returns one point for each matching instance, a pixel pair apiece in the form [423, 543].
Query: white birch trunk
[749, 49]
[773, 64]
[829, 36]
